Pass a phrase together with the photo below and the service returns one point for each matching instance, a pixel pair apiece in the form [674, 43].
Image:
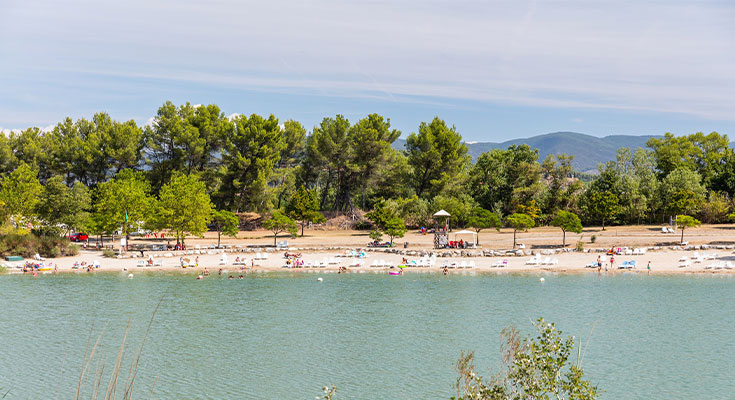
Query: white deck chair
[463, 264]
[471, 264]
[533, 260]
[546, 261]
[685, 263]
[554, 261]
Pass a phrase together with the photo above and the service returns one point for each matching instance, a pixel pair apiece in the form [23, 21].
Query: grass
[92, 362]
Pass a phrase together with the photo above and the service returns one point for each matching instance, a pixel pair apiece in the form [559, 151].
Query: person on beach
[599, 264]
[445, 271]
[206, 271]
[612, 263]
[219, 272]
[649, 267]
[196, 262]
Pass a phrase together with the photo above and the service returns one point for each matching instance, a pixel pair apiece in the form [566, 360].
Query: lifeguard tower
[441, 229]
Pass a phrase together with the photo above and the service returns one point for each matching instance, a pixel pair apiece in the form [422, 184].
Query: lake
[284, 336]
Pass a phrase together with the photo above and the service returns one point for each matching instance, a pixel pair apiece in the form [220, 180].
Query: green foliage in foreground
[539, 368]
[536, 368]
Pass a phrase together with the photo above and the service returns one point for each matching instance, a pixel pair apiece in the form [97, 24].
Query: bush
[593, 238]
[109, 253]
[580, 245]
[363, 225]
[72, 250]
[27, 245]
[3, 269]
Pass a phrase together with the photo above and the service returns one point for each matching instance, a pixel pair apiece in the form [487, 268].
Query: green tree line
[192, 162]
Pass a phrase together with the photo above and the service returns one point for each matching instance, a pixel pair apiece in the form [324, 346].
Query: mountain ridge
[588, 151]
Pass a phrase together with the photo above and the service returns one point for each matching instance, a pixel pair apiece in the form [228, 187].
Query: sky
[497, 70]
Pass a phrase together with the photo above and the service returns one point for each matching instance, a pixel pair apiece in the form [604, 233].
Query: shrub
[71, 249]
[363, 225]
[27, 245]
[3, 269]
[593, 238]
[580, 245]
[109, 253]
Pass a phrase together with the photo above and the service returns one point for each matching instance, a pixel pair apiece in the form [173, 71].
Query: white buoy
[542, 279]
[319, 279]
[130, 276]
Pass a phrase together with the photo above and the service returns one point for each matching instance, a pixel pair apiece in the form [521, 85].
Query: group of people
[612, 262]
[177, 246]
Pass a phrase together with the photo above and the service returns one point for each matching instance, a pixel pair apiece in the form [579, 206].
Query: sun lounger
[471, 264]
[554, 261]
[534, 260]
[684, 264]
[463, 264]
[140, 263]
[546, 261]
[499, 264]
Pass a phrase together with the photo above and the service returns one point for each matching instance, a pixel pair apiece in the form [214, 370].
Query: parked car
[78, 237]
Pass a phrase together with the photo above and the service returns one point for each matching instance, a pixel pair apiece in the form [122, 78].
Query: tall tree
[370, 140]
[304, 208]
[184, 207]
[187, 139]
[327, 154]
[60, 205]
[562, 188]
[123, 202]
[293, 152]
[503, 179]
[253, 149]
[682, 192]
[437, 155]
[601, 206]
[19, 192]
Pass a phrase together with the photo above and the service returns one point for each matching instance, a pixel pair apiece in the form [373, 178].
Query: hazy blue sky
[495, 69]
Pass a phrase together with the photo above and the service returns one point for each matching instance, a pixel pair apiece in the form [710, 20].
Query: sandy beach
[709, 250]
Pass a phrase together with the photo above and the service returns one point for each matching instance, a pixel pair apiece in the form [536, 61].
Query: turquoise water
[281, 336]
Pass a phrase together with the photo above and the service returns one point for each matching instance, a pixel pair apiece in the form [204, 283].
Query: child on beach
[649, 267]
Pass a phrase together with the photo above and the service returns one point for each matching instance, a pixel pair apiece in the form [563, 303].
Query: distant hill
[588, 151]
